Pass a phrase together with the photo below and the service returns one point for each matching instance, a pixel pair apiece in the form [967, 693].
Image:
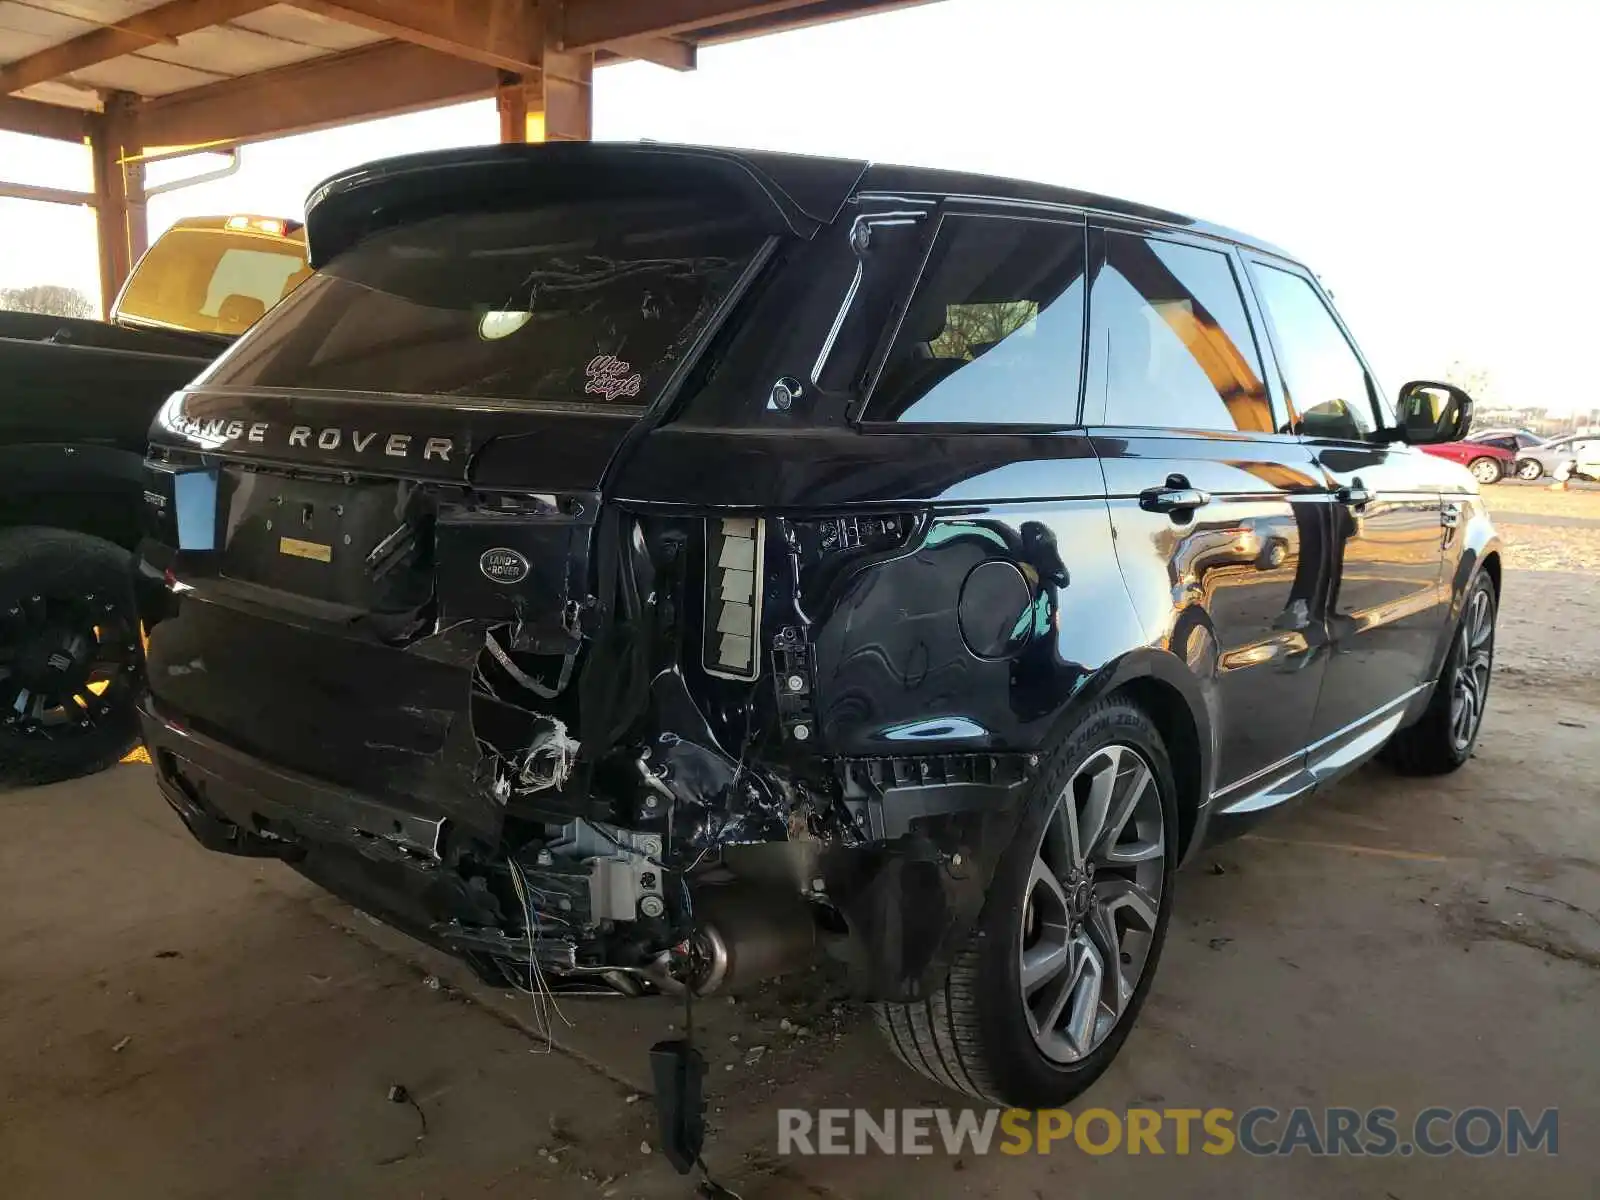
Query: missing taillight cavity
[735, 553]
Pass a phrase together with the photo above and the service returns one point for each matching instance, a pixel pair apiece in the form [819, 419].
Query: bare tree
[49, 298]
[969, 329]
[1475, 381]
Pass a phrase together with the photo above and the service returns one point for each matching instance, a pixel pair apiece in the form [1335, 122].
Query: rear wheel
[1486, 469]
[1443, 738]
[1042, 997]
[69, 655]
[1529, 469]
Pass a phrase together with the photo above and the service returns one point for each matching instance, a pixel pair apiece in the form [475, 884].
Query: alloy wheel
[63, 664]
[1529, 469]
[1094, 893]
[1474, 661]
[1485, 470]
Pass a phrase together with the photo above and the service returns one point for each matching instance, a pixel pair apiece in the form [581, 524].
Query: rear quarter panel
[917, 652]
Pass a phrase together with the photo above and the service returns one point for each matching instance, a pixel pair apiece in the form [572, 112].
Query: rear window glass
[592, 303]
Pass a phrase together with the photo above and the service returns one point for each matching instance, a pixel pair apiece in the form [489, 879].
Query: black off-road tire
[58, 563]
[1427, 747]
[970, 1035]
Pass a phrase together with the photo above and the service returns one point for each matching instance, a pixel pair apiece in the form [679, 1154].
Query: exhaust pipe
[745, 936]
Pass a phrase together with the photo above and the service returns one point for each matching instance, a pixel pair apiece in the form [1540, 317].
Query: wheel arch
[1174, 716]
[1176, 700]
[1491, 568]
[1480, 554]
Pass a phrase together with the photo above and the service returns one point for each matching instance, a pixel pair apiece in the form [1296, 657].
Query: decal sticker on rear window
[610, 377]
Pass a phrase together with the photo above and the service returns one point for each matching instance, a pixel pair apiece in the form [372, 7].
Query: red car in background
[1488, 461]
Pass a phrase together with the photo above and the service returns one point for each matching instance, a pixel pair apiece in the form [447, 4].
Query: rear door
[1390, 600]
[1219, 511]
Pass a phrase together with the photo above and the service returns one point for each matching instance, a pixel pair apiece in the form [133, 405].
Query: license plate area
[317, 539]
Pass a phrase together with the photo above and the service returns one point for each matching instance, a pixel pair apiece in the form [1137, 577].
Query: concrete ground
[177, 1024]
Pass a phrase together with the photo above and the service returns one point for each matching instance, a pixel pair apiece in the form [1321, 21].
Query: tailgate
[381, 507]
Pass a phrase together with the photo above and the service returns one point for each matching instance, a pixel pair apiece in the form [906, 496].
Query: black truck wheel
[69, 655]
[1041, 999]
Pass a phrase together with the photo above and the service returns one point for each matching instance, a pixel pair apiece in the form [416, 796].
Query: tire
[1435, 744]
[1487, 470]
[69, 655]
[974, 1035]
[1529, 469]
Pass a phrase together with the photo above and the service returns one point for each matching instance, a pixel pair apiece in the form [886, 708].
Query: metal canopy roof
[226, 71]
[135, 77]
[250, 42]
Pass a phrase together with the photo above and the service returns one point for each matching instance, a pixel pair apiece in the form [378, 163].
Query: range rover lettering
[660, 565]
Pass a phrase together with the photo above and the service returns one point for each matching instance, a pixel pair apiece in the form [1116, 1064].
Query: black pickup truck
[76, 401]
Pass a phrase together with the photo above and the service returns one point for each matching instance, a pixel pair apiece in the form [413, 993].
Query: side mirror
[1433, 412]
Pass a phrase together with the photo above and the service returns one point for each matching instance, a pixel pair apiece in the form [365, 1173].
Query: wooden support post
[557, 106]
[122, 227]
[568, 96]
[511, 99]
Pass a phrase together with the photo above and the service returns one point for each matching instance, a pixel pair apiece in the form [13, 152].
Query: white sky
[1407, 150]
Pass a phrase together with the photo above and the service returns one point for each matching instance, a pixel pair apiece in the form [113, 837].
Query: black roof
[801, 192]
[885, 177]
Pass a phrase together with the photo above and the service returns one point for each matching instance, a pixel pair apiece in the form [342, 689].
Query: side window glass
[1326, 383]
[994, 333]
[1172, 340]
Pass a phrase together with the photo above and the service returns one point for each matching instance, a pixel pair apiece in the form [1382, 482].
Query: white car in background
[1575, 452]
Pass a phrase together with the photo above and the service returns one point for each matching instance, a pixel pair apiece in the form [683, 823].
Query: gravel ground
[1527, 519]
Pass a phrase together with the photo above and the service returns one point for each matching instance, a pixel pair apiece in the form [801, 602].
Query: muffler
[747, 935]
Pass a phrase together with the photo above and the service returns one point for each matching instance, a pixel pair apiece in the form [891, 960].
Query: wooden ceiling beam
[593, 24]
[169, 21]
[820, 12]
[673, 53]
[356, 85]
[505, 34]
[43, 120]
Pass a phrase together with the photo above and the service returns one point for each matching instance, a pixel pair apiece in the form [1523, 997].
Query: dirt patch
[1540, 548]
[1545, 530]
[1580, 500]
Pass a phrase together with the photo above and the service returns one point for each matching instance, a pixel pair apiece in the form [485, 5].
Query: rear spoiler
[795, 194]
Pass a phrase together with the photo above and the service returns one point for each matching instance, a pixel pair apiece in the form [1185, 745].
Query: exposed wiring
[710, 1188]
[400, 1094]
[539, 987]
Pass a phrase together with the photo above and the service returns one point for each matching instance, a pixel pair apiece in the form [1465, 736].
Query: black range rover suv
[648, 565]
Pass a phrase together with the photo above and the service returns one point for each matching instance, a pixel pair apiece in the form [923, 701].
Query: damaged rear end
[459, 636]
[415, 647]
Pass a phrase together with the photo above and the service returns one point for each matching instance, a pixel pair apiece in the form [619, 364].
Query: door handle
[1174, 496]
[1354, 496]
